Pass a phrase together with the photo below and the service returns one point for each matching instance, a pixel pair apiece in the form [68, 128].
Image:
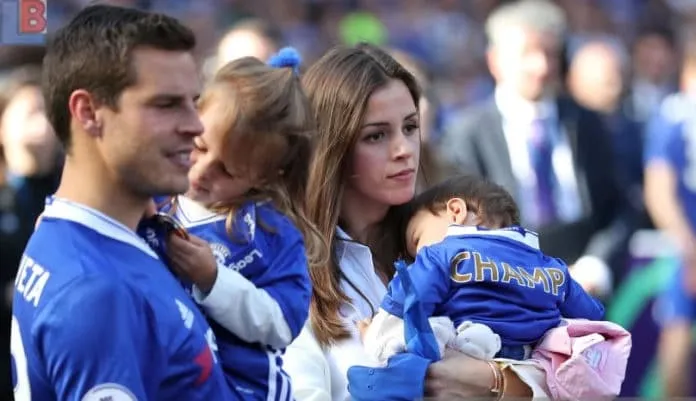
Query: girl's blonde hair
[270, 132]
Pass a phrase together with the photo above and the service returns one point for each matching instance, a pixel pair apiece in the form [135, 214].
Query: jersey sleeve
[430, 276]
[578, 304]
[288, 280]
[662, 141]
[96, 342]
[272, 309]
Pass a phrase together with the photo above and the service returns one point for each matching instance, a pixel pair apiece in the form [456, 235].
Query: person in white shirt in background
[365, 166]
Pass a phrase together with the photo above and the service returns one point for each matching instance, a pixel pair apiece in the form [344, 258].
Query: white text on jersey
[31, 280]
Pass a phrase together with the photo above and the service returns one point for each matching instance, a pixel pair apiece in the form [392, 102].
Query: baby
[489, 290]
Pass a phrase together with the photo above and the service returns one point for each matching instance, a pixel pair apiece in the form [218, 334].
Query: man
[552, 155]
[97, 316]
[596, 81]
[670, 197]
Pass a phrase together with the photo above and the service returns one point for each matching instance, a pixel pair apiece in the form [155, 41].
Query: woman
[364, 169]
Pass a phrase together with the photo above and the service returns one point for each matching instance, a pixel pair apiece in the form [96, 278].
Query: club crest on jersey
[110, 392]
[221, 253]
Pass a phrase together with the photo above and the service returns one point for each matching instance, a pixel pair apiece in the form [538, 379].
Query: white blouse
[321, 374]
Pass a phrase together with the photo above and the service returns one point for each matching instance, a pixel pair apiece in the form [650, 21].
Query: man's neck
[91, 187]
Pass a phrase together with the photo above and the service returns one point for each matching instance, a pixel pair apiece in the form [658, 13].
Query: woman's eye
[410, 129]
[374, 137]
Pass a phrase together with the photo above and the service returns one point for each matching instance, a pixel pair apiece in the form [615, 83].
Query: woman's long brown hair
[339, 86]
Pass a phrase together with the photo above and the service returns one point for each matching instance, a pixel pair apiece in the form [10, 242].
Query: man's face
[526, 61]
[147, 141]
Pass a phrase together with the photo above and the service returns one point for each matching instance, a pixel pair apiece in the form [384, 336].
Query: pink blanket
[584, 360]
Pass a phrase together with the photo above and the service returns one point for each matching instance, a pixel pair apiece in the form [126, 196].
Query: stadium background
[446, 39]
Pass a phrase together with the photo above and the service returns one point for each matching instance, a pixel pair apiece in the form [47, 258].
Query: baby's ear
[457, 210]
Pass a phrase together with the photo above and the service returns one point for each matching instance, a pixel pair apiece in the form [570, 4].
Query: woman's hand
[458, 376]
[193, 260]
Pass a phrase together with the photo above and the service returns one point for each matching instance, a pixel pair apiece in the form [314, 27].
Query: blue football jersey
[671, 138]
[499, 278]
[97, 316]
[266, 249]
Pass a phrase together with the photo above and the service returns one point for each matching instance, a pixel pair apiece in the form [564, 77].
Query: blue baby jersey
[97, 316]
[499, 278]
[267, 250]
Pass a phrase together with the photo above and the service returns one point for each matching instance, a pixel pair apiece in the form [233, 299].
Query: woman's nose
[402, 147]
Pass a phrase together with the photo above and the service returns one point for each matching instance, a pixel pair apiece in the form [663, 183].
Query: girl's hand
[193, 260]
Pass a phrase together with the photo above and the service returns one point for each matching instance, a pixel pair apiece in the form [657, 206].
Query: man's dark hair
[94, 51]
[488, 200]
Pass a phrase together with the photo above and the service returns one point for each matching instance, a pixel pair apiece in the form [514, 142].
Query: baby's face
[426, 228]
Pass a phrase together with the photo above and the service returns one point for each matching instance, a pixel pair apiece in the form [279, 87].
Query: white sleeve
[385, 336]
[248, 312]
[531, 375]
[305, 363]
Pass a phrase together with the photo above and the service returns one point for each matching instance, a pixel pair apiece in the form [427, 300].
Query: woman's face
[385, 158]
[210, 179]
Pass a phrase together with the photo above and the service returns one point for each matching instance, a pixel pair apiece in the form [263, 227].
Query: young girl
[247, 245]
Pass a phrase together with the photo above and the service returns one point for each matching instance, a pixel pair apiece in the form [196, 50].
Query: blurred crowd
[614, 65]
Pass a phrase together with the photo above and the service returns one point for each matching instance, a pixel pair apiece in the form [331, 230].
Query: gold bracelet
[498, 380]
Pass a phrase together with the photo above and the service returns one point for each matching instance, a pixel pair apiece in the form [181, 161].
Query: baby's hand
[193, 260]
[477, 340]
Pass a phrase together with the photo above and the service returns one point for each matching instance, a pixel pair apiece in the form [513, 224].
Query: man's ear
[83, 109]
[457, 210]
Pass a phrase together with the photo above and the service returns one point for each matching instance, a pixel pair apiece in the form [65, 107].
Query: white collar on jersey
[519, 234]
[58, 208]
[191, 213]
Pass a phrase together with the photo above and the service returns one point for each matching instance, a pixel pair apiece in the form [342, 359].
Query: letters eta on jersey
[97, 315]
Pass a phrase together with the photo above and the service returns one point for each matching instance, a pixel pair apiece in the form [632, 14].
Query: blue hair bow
[287, 57]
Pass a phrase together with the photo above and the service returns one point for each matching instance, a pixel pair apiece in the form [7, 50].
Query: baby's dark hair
[489, 201]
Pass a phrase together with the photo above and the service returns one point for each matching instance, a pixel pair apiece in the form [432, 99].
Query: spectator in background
[251, 37]
[29, 160]
[596, 81]
[670, 196]
[551, 154]
[654, 57]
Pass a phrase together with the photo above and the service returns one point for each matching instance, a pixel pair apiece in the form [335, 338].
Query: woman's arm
[460, 376]
[305, 363]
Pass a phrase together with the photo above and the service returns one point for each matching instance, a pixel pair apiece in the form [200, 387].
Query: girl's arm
[245, 310]
[270, 310]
